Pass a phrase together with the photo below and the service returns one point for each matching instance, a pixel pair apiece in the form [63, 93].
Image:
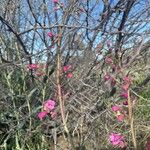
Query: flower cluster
[117, 140]
[37, 69]
[48, 108]
[67, 69]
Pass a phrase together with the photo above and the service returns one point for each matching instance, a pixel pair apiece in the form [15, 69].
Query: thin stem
[62, 109]
[60, 97]
[131, 122]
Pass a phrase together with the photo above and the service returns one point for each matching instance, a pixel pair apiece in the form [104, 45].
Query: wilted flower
[42, 114]
[49, 105]
[117, 140]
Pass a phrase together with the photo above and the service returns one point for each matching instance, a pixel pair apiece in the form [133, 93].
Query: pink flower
[55, 1]
[107, 77]
[116, 108]
[42, 114]
[70, 75]
[32, 66]
[117, 140]
[49, 105]
[67, 68]
[120, 117]
[124, 95]
[50, 34]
